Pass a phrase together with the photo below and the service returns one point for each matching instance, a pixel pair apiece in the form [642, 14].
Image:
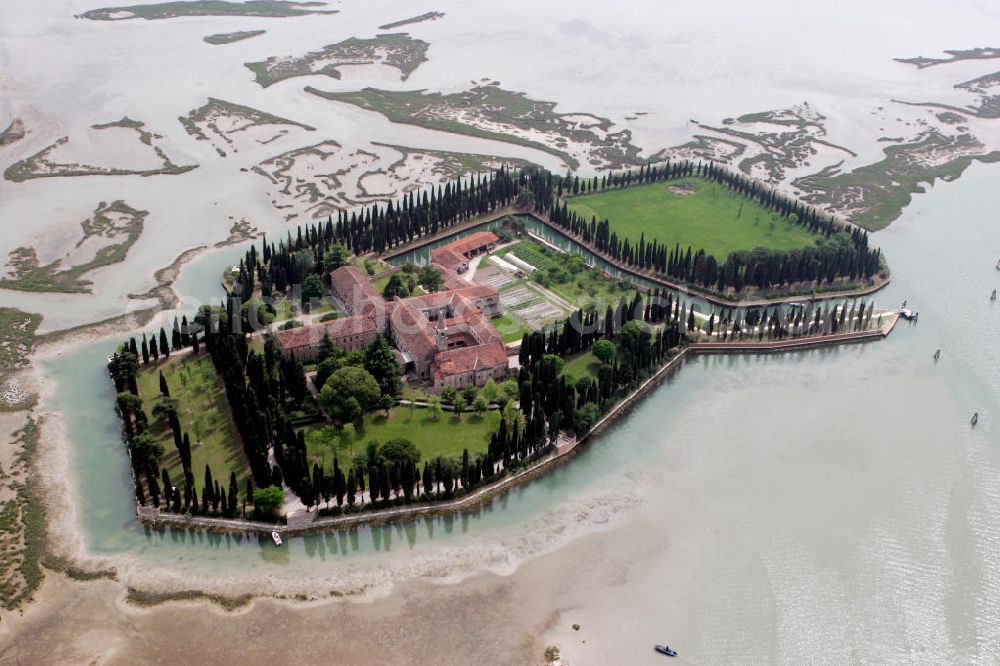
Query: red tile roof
[305, 336]
[473, 242]
[352, 285]
[448, 258]
[411, 328]
[471, 359]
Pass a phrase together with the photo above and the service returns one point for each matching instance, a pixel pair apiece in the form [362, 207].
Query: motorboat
[975, 418]
[909, 315]
[277, 538]
[665, 649]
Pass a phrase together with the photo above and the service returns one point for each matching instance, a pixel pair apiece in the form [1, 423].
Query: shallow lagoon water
[833, 505]
[833, 502]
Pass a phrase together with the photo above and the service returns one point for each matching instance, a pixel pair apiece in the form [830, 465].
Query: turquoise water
[832, 502]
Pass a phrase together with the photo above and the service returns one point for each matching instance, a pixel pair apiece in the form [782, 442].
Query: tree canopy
[349, 392]
[267, 500]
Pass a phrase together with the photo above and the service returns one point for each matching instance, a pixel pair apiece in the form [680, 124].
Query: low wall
[792, 344]
[486, 494]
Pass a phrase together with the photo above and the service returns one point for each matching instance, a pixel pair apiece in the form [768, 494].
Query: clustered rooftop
[444, 337]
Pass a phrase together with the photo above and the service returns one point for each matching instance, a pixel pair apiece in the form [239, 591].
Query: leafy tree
[146, 448]
[434, 407]
[430, 279]
[380, 362]
[400, 451]
[490, 390]
[267, 500]
[631, 333]
[386, 403]
[510, 389]
[312, 290]
[336, 257]
[469, 393]
[459, 404]
[480, 405]
[348, 434]
[326, 368]
[448, 394]
[396, 287]
[605, 351]
[349, 392]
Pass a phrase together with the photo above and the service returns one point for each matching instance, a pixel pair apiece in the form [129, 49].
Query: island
[230, 37]
[429, 354]
[168, 10]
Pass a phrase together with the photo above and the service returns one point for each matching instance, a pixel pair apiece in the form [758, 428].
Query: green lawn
[204, 415]
[444, 437]
[712, 218]
[582, 365]
[510, 327]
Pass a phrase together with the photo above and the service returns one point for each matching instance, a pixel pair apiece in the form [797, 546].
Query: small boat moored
[937, 354]
[993, 296]
[277, 538]
[665, 649]
[909, 315]
[975, 418]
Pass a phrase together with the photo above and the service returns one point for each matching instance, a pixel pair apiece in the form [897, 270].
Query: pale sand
[420, 622]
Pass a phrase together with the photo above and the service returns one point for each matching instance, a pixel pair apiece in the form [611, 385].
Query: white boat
[277, 538]
[907, 314]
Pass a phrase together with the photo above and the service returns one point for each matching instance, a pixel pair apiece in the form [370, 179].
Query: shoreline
[480, 497]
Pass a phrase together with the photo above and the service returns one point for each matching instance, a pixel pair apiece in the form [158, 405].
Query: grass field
[712, 217]
[582, 365]
[204, 415]
[444, 437]
[510, 327]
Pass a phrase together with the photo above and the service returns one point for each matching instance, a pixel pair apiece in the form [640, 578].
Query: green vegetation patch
[445, 436]
[17, 339]
[168, 10]
[568, 276]
[954, 55]
[230, 37]
[40, 165]
[14, 132]
[511, 327]
[397, 50]
[692, 212]
[428, 16]
[205, 120]
[582, 365]
[491, 112]
[22, 526]
[27, 274]
[875, 195]
[203, 413]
